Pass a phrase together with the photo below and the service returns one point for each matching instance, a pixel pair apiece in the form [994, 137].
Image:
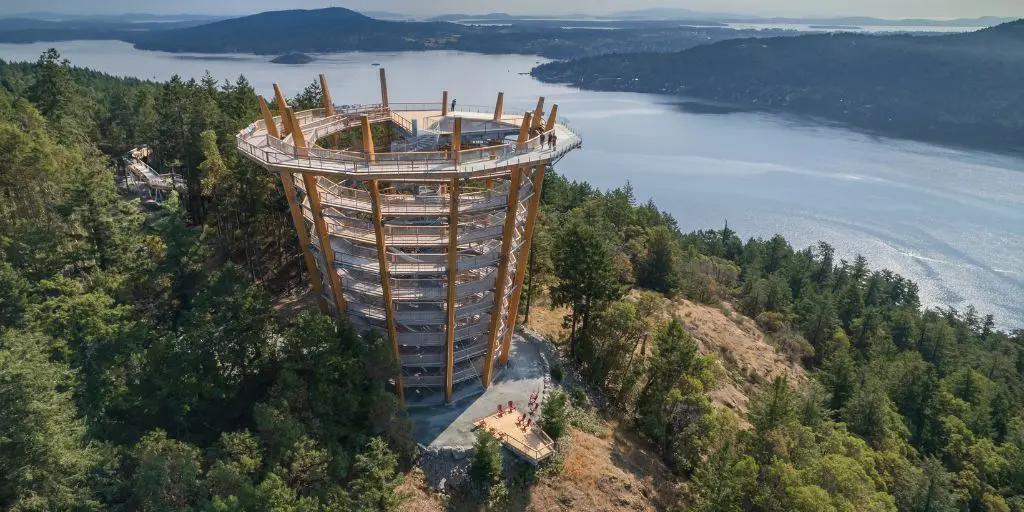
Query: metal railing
[536, 454]
[506, 155]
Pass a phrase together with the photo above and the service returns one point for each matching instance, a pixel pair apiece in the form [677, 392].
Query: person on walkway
[453, 105]
[552, 140]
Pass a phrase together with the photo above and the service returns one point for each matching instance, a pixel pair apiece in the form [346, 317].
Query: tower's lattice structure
[415, 220]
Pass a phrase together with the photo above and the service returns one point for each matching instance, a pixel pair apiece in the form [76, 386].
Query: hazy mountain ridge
[341, 30]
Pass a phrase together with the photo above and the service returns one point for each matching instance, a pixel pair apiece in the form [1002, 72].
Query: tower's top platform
[435, 143]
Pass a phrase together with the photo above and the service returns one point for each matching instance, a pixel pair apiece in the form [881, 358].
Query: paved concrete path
[452, 425]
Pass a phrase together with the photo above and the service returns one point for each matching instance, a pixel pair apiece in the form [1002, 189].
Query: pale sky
[878, 8]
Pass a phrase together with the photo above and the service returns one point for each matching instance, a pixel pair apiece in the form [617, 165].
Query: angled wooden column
[524, 252]
[524, 130]
[282, 107]
[287, 180]
[499, 108]
[268, 119]
[325, 92]
[552, 118]
[368, 147]
[453, 271]
[457, 140]
[499, 288]
[383, 88]
[313, 193]
[329, 110]
[298, 138]
[444, 103]
[538, 114]
[385, 282]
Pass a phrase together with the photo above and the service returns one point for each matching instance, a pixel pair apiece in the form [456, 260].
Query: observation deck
[423, 161]
[415, 221]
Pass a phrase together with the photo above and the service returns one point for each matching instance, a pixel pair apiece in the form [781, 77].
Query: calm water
[951, 220]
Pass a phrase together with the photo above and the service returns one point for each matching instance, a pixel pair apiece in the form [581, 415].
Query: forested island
[149, 360]
[961, 89]
[293, 58]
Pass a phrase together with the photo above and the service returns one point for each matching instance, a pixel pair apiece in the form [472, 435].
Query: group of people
[546, 139]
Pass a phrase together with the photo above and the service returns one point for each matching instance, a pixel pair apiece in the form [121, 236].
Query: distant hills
[661, 13]
[961, 88]
[320, 30]
[340, 30]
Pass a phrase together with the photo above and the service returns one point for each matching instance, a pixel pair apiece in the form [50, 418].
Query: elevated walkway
[142, 172]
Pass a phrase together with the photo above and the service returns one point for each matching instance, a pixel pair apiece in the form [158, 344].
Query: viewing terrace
[434, 152]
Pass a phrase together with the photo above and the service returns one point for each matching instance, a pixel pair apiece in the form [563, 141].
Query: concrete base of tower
[451, 425]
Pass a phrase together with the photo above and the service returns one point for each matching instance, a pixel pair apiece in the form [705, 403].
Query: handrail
[355, 162]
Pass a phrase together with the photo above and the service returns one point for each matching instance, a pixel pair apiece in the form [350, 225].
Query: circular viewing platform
[428, 143]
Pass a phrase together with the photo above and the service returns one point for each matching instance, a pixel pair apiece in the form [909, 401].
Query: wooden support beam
[524, 255]
[457, 140]
[313, 193]
[383, 88]
[268, 119]
[368, 147]
[524, 130]
[298, 138]
[453, 271]
[325, 92]
[385, 282]
[444, 103]
[282, 107]
[552, 118]
[329, 109]
[288, 181]
[538, 114]
[499, 288]
[499, 109]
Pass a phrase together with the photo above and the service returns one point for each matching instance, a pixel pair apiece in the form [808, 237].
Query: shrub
[579, 398]
[556, 372]
[554, 411]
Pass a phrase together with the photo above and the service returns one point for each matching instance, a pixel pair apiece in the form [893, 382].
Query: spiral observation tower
[415, 220]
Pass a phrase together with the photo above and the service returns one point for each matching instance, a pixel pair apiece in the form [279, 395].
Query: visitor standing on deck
[453, 105]
[552, 140]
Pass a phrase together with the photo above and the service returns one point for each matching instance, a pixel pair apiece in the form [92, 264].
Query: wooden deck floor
[530, 443]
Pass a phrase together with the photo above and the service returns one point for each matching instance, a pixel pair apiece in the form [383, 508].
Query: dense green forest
[960, 89]
[909, 409]
[144, 367]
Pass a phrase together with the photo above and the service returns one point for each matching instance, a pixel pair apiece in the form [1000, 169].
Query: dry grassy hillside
[619, 471]
[735, 340]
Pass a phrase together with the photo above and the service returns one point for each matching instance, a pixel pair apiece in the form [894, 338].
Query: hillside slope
[745, 355]
[961, 89]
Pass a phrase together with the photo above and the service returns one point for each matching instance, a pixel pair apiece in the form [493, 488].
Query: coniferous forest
[148, 360]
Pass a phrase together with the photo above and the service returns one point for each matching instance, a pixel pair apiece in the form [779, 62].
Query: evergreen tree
[485, 469]
[376, 479]
[554, 414]
[585, 267]
[44, 454]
